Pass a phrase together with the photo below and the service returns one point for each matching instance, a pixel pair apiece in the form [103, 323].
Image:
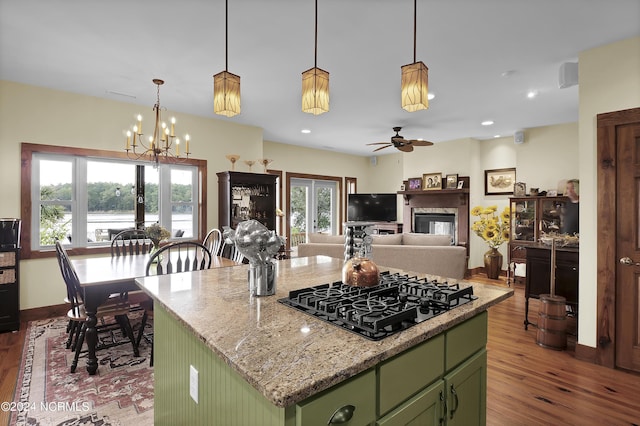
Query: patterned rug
[121, 392]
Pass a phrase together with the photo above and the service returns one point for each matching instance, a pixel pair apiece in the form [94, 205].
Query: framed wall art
[431, 181]
[415, 184]
[519, 189]
[499, 181]
[452, 181]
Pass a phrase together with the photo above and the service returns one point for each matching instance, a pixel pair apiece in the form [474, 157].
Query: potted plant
[494, 229]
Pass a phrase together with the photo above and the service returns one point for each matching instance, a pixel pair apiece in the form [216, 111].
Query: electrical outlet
[193, 383]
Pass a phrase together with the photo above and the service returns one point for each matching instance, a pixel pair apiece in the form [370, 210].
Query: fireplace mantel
[443, 198]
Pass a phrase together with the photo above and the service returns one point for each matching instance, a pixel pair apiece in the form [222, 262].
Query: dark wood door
[628, 247]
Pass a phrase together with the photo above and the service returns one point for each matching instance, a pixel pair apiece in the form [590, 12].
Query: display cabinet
[243, 196]
[9, 289]
[530, 218]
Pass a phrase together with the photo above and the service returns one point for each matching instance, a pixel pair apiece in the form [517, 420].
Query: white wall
[609, 81]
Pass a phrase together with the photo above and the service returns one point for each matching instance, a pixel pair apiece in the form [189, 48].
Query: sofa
[420, 253]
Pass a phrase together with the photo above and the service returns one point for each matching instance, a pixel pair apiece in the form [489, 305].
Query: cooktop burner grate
[395, 304]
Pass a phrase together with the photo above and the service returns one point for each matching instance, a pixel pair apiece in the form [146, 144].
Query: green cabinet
[441, 381]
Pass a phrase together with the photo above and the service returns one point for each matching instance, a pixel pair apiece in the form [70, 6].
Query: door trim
[607, 258]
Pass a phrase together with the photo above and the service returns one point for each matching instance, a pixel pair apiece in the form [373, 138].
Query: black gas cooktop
[395, 304]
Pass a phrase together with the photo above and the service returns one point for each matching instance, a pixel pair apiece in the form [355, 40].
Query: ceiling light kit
[163, 140]
[315, 83]
[415, 78]
[226, 86]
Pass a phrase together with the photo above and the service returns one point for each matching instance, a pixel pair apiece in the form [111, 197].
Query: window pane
[181, 186]
[151, 200]
[55, 180]
[55, 223]
[182, 221]
[110, 198]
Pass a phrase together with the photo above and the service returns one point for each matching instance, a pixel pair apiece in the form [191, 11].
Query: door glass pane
[181, 203]
[181, 223]
[110, 198]
[324, 198]
[56, 194]
[298, 219]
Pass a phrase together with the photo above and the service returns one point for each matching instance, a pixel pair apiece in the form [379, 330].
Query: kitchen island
[249, 360]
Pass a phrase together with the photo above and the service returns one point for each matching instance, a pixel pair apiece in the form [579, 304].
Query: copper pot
[360, 272]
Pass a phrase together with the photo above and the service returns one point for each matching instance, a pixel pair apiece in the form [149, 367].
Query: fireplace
[437, 221]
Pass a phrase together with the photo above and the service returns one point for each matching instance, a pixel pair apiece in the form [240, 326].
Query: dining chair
[181, 256]
[115, 307]
[230, 251]
[130, 242]
[213, 241]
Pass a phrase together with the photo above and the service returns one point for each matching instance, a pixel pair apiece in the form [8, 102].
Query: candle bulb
[135, 131]
[166, 143]
[162, 131]
[177, 147]
[186, 147]
[173, 126]
[152, 142]
[139, 130]
[128, 140]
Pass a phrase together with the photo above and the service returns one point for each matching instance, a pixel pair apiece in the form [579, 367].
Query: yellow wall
[609, 81]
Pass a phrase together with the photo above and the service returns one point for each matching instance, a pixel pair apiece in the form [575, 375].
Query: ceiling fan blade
[420, 143]
[379, 143]
[382, 147]
[405, 148]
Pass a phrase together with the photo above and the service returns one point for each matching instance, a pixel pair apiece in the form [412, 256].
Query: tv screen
[372, 208]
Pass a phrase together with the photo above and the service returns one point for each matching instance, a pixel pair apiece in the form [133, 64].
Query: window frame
[26, 206]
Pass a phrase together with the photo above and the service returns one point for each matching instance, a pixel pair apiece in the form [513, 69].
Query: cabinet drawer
[359, 391]
[7, 258]
[407, 373]
[7, 276]
[465, 339]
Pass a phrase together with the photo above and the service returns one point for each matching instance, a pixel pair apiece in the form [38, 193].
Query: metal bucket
[552, 322]
[262, 279]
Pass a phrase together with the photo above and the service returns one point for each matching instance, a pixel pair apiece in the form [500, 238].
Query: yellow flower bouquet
[490, 226]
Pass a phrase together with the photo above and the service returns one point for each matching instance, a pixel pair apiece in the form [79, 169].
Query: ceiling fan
[400, 142]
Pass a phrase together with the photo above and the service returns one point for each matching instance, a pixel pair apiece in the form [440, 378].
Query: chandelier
[162, 144]
[226, 86]
[415, 79]
[315, 84]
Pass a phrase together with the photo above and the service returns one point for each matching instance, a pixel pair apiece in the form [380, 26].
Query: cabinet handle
[443, 400]
[628, 261]
[455, 398]
[342, 415]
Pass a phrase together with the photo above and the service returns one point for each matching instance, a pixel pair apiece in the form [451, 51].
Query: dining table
[102, 276]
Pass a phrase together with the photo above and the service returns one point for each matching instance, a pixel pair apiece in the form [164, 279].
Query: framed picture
[431, 181]
[519, 189]
[499, 181]
[452, 181]
[415, 183]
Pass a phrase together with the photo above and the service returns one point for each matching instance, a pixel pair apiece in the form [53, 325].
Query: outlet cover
[193, 383]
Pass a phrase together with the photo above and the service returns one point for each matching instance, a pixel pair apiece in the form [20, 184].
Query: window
[85, 197]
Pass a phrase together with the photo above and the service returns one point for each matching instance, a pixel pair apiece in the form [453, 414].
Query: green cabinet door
[424, 409]
[466, 388]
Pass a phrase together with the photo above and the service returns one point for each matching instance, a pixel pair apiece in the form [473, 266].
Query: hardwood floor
[526, 383]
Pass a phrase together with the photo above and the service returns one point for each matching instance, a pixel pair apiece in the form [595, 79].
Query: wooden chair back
[181, 256]
[70, 277]
[213, 241]
[130, 242]
[231, 252]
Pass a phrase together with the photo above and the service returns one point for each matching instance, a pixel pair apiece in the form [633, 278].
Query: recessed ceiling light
[305, 131]
[487, 123]
[496, 136]
[430, 96]
[532, 94]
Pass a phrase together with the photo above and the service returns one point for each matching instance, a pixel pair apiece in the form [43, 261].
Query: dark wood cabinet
[538, 279]
[9, 289]
[531, 217]
[243, 196]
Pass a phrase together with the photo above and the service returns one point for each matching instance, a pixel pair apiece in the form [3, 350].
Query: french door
[313, 206]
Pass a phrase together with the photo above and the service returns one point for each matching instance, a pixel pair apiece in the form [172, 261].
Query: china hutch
[531, 218]
[243, 196]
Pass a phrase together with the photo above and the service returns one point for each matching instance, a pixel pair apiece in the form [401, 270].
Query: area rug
[121, 392]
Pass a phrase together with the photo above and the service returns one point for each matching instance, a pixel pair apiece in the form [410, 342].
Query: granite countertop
[285, 354]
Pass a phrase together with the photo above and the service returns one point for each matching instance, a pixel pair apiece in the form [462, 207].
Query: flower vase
[154, 248]
[493, 263]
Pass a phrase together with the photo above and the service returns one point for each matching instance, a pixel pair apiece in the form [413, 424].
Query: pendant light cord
[315, 48]
[226, 35]
[414, 29]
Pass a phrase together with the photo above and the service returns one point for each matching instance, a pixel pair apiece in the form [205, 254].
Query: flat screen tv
[372, 208]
